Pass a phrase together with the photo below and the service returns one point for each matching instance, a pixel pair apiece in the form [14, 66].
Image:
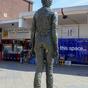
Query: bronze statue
[43, 38]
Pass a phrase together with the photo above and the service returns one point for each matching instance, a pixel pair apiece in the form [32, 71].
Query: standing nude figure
[43, 38]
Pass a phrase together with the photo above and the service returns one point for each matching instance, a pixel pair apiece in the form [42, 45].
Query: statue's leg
[49, 71]
[39, 69]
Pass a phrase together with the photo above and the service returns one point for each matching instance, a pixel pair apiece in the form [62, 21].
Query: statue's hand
[55, 51]
[55, 54]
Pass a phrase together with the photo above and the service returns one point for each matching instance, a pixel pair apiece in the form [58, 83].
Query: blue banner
[75, 50]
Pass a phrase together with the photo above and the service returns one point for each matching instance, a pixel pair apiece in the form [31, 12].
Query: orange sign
[5, 34]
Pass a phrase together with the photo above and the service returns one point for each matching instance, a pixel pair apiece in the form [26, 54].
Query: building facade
[10, 9]
[11, 34]
[75, 26]
[72, 33]
[9, 18]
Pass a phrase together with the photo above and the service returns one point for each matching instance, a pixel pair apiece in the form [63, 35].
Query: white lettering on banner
[63, 48]
[76, 48]
[72, 48]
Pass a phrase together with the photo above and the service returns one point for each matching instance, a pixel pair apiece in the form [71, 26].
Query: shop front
[14, 41]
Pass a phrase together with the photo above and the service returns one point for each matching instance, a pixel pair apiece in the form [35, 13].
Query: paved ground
[15, 75]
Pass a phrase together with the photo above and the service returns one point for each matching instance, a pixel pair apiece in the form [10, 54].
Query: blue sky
[61, 3]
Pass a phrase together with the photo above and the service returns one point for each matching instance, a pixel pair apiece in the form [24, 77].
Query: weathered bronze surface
[43, 38]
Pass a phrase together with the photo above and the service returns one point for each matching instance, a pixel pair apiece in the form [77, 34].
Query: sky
[61, 3]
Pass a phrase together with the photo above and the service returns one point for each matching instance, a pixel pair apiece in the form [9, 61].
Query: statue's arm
[33, 30]
[54, 37]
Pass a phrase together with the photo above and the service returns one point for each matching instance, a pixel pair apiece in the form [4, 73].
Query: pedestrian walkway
[16, 75]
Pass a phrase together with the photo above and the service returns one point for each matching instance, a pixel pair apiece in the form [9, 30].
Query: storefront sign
[14, 33]
[16, 30]
[5, 34]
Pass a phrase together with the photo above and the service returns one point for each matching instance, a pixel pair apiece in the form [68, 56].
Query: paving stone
[16, 75]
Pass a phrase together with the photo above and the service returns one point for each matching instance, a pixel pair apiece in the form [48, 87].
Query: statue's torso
[43, 20]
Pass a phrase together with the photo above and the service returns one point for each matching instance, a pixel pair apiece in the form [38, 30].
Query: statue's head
[46, 3]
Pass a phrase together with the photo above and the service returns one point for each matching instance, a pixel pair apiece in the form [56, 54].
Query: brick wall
[10, 9]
